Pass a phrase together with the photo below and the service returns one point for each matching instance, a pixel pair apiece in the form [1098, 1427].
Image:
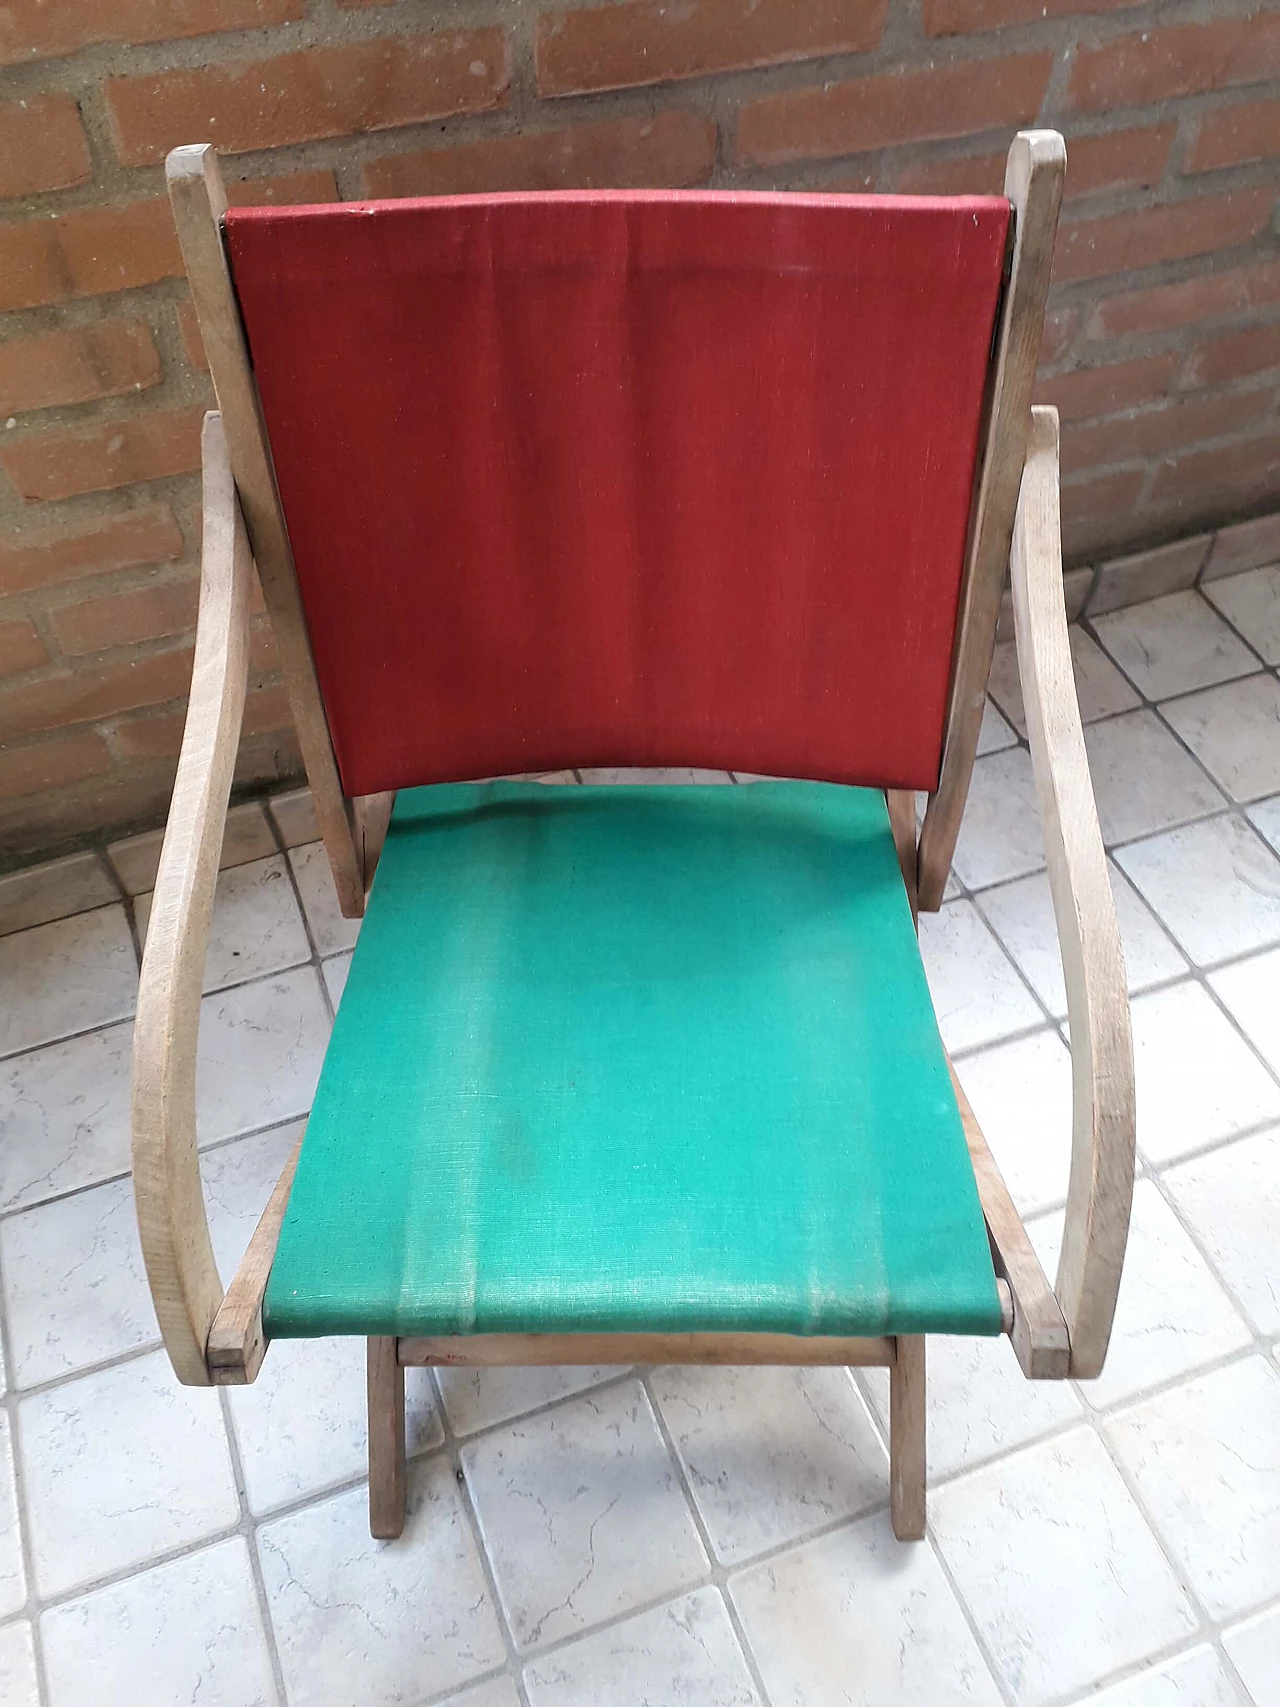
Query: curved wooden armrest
[172, 1222]
[1102, 1144]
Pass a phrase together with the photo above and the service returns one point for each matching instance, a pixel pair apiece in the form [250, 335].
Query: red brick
[128, 541]
[1122, 242]
[263, 653]
[653, 41]
[330, 91]
[266, 709]
[52, 764]
[144, 447]
[1229, 135]
[830, 119]
[1249, 465]
[1093, 510]
[42, 145]
[290, 189]
[1119, 159]
[21, 648]
[1235, 354]
[1156, 65]
[192, 343]
[1159, 431]
[1105, 390]
[1059, 329]
[76, 366]
[1205, 298]
[962, 17]
[124, 619]
[671, 149]
[42, 29]
[87, 695]
[157, 736]
[87, 253]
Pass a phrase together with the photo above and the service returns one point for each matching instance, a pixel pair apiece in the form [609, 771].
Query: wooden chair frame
[215, 1337]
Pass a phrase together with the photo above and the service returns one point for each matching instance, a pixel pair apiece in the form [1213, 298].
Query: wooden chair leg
[906, 1439]
[386, 1441]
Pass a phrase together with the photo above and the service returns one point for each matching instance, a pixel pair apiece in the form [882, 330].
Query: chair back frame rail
[217, 1338]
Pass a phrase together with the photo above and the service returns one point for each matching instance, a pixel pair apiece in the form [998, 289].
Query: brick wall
[1162, 349]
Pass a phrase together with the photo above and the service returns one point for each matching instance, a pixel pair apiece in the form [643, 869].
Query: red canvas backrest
[640, 478]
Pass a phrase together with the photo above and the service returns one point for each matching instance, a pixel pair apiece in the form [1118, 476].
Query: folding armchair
[633, 1075]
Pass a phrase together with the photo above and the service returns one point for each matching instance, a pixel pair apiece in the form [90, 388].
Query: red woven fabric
[626, 479]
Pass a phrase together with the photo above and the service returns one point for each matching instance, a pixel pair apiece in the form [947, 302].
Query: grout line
[26, 1527]
[247, 1528]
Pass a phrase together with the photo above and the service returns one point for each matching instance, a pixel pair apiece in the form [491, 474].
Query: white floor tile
[1249, 990]
[55, 889]
[64, 1115]
[857, 1617]
[374, 1622]
[1021, 1095]
[771, 1454]
[979, 1403]
[977, 993]
[1254, 1650]
[1000, 832]
[1058, 1567]
[65, 977]
[238, 1180]
[995, 734]
[1216, 885]
[499, 1692]
[302, 1425]
[684, 1652]
[188, 1631]
[1172, 1316]
[1021, 914]
[1143, 780]
[119, 1466]
[1231, 1200]
[259, 1055]
[13, 1576]
[1251, 603]
[1194, 1679]
[477, 1398]
[1265, 818]
[1205, 1459]
[335, 971]
[74, 1284]
[582, 1514]
[18, 1686]
[1101, 690]
[256, 927]
[331, 931]
[1173, 645]
[1234, 730]
[1197, 1081]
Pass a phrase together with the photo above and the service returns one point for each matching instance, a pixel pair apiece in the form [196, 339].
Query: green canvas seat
[635, 1059]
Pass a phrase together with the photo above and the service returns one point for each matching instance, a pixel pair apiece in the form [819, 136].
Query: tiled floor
[707, 1537]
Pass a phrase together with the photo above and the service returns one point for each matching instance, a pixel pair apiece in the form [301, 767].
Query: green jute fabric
[624, 1059]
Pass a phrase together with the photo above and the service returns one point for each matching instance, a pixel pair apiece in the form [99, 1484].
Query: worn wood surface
[1033, 183]
[386, 1440]
[1103, 1116]
[172, 1224]
[237, 1343]
[199, 202]
[529, 1350]
[907, 1452]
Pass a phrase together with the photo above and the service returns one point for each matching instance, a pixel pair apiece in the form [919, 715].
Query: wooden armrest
[1102, 1144]
[172, 1223]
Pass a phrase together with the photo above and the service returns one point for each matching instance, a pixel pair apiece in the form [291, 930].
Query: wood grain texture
[501, 1351]
[907, 1453]
[237, 1343]
[1033, 183]
[172, 1225]
[1103, 1120]
[386, 1440]
[1037, 1328]
[902, 821]
[199, 202]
